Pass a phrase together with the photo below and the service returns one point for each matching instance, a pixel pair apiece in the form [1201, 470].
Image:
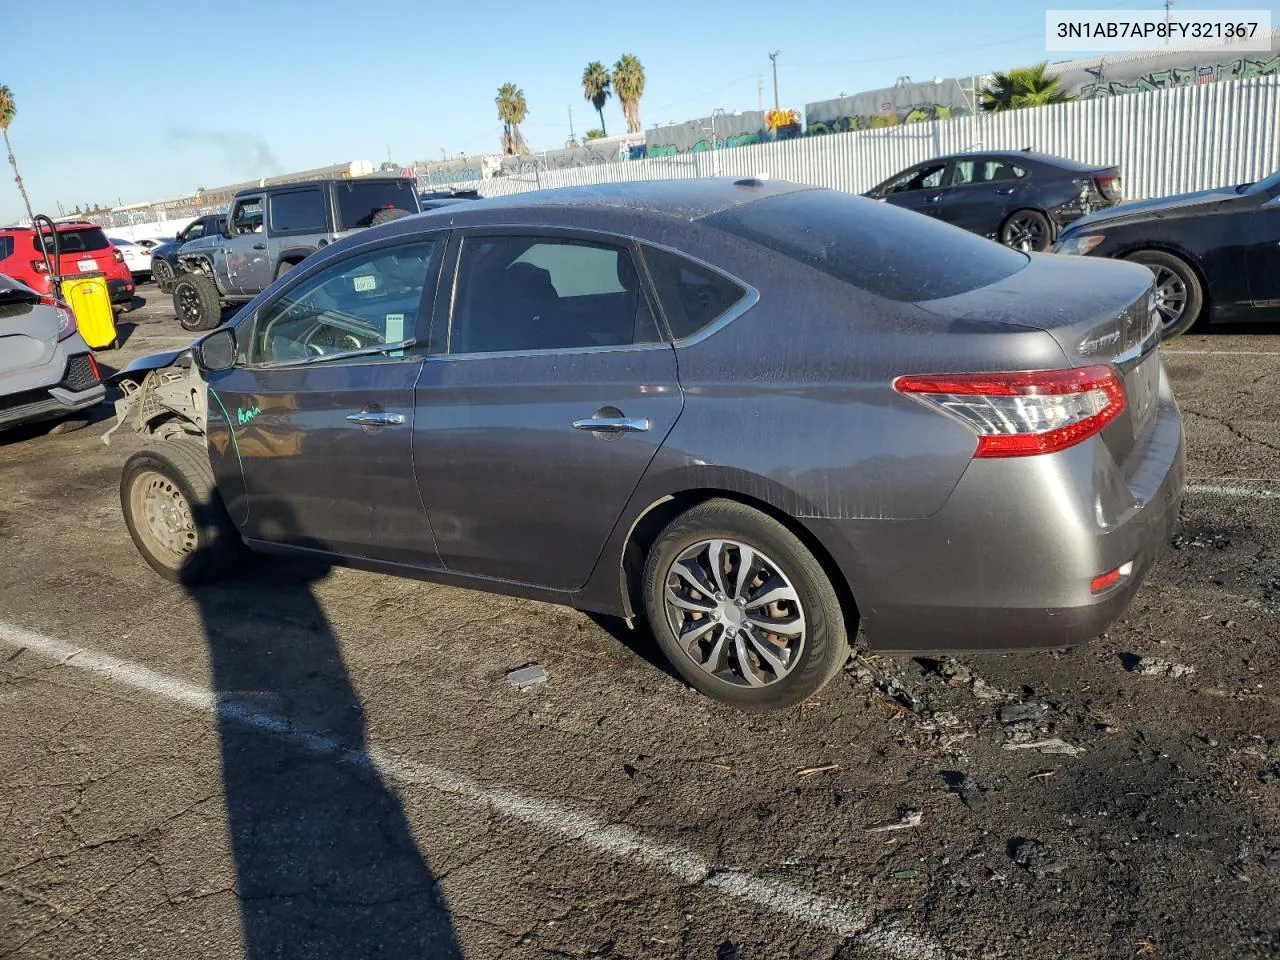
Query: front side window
[298, 211]
[921, 178]
[363, 301]
[541, 293]
[247, 216]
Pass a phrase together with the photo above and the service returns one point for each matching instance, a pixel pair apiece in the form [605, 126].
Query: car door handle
[1005, 192]
[259, 246]
[612, 425]
[934, 199]
[371, 418]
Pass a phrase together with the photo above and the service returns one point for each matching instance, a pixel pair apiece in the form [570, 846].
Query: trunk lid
[1097, 311]
[83, 250]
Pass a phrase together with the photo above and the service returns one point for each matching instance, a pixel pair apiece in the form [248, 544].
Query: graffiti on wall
[916, 113]
[1104, 81]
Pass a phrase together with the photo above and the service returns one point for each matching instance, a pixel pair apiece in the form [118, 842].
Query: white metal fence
[1167, 141]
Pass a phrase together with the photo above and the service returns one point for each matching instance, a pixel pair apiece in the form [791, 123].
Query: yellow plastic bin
[90, 301]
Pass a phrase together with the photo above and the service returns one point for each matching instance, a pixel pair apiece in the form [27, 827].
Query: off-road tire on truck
[174, 514]
[386, 216]
[196, 302]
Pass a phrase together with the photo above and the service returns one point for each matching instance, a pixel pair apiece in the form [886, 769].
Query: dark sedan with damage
[750, 412]
[1215, 253]
[1020, 198]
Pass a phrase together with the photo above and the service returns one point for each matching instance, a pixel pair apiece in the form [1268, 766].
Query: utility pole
[1168, 9]
[571, 137]
[760, 92]
[774, 57]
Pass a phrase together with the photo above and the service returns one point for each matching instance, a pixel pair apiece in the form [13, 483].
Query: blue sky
[214, 93]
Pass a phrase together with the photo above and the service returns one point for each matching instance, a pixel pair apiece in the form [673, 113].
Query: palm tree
[8, 110]
[1023, 87]
[595, 87]
[628, 84]
[512, 109]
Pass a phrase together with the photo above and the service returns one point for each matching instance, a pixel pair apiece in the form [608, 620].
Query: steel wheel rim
[166, 524]
[189, 304]
[1026, 234]
[734, 613]
[1170, 296]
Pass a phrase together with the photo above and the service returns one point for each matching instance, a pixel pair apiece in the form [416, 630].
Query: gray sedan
[47, 371]
[755, 415]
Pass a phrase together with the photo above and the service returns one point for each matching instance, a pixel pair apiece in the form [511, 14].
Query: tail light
[93, 365]
[116, 255]
[66, 318]
[39, 266]
[1109, 186]
[1026, 413]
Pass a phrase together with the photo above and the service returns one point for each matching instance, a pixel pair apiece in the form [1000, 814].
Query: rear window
[877, 247]
[298, 211]
[359, 202]
[75, 241]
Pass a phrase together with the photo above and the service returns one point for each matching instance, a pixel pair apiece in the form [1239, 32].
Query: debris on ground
[1200, 541]
[906, 874]
[1155, 667]
[908, 817]
[1048, 745]
[1145, 947]
[528, 676]
[964, 787]
[825, 768]
[957, 674]
[1031, 710]
[884, 676]
[1034, 857]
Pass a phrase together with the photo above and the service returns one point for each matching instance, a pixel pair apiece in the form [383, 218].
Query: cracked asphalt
[313, 763]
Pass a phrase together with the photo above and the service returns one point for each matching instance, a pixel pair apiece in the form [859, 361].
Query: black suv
[164, 256]
[272, 229]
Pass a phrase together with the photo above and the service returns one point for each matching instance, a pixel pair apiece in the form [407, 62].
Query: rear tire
[1179, 293]
[1028, 231]
[196, 302]
[784, 667]
[386, 216]
[174, 514]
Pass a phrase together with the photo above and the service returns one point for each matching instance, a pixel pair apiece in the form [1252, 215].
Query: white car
[136, 257]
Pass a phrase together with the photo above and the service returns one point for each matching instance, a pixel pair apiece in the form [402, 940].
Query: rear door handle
[1005, 192]
[370, 418]
[933, 199]
[612, 425]
[259, 246]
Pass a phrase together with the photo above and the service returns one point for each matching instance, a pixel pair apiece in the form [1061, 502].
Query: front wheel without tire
[742, 609]
[174, 514]
[1178, 293]
[196, 302]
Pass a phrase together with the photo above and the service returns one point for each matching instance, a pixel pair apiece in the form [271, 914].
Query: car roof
[60, 227]
[1013, 156]
[294, 184]
[684, 199]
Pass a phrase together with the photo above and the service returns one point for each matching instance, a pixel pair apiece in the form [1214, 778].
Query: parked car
[84, 249]
[750, 411]
[1019, 198]
[1215, 254]
[136, 257]
[47, 371]
[164, 257]
[270, 230]
[433, 199]
[149, 243]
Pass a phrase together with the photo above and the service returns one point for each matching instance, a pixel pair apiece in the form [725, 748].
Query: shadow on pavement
[326, 865]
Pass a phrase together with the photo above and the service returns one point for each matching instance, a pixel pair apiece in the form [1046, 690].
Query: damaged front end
[164, 397]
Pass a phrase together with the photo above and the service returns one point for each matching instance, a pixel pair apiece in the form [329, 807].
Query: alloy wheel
[189, 306]
[1025, 233]
[1170, 296]
[735, 613]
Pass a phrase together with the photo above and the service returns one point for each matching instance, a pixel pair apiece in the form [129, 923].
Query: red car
[85, 249]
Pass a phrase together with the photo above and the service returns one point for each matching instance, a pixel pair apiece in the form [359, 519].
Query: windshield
[358, 202]
[887, 251]
[1265, 185]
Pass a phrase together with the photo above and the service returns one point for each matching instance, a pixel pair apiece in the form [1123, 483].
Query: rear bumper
[121, 290]
[55, 402]
[1008, 561]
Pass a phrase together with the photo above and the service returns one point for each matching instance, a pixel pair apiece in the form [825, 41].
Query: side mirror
[216, 351]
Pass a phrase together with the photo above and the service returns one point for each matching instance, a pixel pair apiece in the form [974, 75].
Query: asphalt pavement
[328, 764]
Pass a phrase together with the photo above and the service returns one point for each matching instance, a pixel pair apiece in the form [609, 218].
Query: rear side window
[75, 241]
[691, 295]
[359, 203]
[297, 211]
[877, 247]
[6, 247]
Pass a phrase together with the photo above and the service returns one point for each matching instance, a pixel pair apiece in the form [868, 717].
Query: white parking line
[1223, 490]
[579, 826]
[1220, 353]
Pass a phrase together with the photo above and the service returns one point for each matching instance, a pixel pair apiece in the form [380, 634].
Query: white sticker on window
[395, 327]
[364, 284]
